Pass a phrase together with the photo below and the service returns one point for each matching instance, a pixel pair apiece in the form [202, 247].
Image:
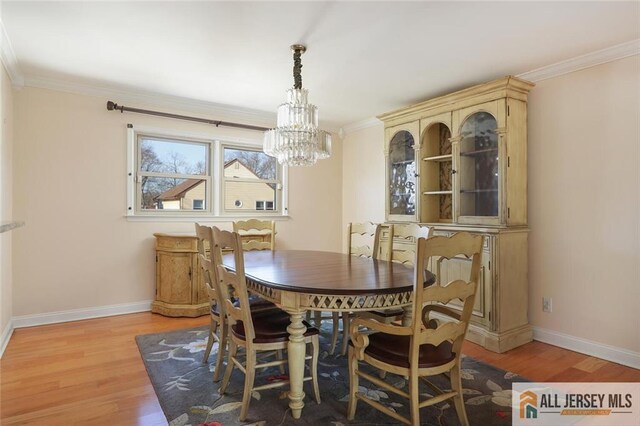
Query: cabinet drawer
[174, 243]
[485, 243]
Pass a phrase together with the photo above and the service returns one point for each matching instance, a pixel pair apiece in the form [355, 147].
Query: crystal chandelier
[296, 140]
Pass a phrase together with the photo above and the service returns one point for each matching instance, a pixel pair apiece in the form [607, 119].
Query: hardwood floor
[90, 372]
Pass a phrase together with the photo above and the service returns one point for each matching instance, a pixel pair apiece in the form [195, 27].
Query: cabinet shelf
[439, 158]
[478, 152]
[437, 193]
[477, 191]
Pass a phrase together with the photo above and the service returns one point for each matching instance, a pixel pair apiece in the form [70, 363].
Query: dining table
[298, 281]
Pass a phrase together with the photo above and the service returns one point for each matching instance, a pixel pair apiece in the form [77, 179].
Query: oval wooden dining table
[300, 280]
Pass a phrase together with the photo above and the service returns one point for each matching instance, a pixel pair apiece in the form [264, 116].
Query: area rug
[188, 396]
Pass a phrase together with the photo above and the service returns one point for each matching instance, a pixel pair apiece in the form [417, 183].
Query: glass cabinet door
[478, 167]
[402, 174]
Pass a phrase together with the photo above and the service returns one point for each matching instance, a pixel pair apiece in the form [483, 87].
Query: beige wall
[584, 200]
[6, 205]
[363, 177]
[71, 152]
[584, 203]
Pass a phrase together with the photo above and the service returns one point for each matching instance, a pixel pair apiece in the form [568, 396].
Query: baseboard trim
[80, 314]
[6, 335]
[588, 347]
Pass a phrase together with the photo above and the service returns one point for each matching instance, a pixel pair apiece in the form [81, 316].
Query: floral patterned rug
[188, 396]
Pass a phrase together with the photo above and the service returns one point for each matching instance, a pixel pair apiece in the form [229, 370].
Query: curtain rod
[111, 106]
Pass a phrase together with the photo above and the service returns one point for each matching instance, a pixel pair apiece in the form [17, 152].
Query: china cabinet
[468, 172]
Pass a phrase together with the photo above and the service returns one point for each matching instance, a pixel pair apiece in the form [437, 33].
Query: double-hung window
[173, 175]
[251, 180]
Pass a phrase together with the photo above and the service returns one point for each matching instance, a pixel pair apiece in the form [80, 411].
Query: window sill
[202, 218]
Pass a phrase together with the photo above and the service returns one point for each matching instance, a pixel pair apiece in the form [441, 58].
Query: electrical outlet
[547, 304]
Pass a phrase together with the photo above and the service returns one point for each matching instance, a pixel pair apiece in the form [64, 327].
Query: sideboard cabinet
[459, 163]
[180, 289]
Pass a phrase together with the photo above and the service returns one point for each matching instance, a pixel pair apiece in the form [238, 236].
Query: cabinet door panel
[174, 277]
[448, 270]
[401, 169]
[480, 154]
[201, 295]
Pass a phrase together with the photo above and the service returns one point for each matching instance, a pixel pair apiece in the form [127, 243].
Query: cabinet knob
[453, 172]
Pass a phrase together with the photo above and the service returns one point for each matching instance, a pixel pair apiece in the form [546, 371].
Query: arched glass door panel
[402, 174]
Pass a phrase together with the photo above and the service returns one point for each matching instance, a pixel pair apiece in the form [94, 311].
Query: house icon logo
[528, 405]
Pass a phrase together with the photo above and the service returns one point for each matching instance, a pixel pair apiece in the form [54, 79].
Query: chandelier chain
[297, 69]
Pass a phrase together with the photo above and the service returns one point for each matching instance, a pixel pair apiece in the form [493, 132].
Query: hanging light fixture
[296, 140]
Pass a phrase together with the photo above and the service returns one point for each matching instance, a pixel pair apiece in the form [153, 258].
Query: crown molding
[8, 58]
[359, 125]
[609, 54]
[581, 62]
[123, 95]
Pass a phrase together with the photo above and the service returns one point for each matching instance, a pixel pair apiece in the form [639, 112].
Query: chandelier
[296, 140]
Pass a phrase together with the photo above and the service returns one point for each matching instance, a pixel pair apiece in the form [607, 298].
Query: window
[250, 180]
[174, 175]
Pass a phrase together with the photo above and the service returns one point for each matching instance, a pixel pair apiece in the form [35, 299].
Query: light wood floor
[90, 372]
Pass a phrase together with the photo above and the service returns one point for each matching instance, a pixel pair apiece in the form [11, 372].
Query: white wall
[78, 249]
[6, 207]
[584, 196]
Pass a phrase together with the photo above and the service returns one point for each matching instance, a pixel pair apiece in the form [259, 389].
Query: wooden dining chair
[217, 326]
[363, 240]
[256, 234]
[262, 333]
[407, 236]
[217, 320]
[427, 347]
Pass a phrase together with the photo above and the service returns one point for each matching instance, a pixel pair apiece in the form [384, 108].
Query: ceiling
[363, 59]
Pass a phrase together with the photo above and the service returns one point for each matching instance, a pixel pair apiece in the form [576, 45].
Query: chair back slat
[265, 229]
[256, 245]
[406, 257]
[368, 232]
[426, 331]
[233, 283]
[449, 331]
[408, 235]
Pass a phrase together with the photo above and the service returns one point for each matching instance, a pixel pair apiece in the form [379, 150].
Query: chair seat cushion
[394, 350]
[270, 327]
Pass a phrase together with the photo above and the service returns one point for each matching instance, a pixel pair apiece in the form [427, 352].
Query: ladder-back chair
[254, 333]
[427, 347]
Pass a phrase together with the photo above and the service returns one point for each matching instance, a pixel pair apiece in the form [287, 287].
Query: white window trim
[215, 212]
